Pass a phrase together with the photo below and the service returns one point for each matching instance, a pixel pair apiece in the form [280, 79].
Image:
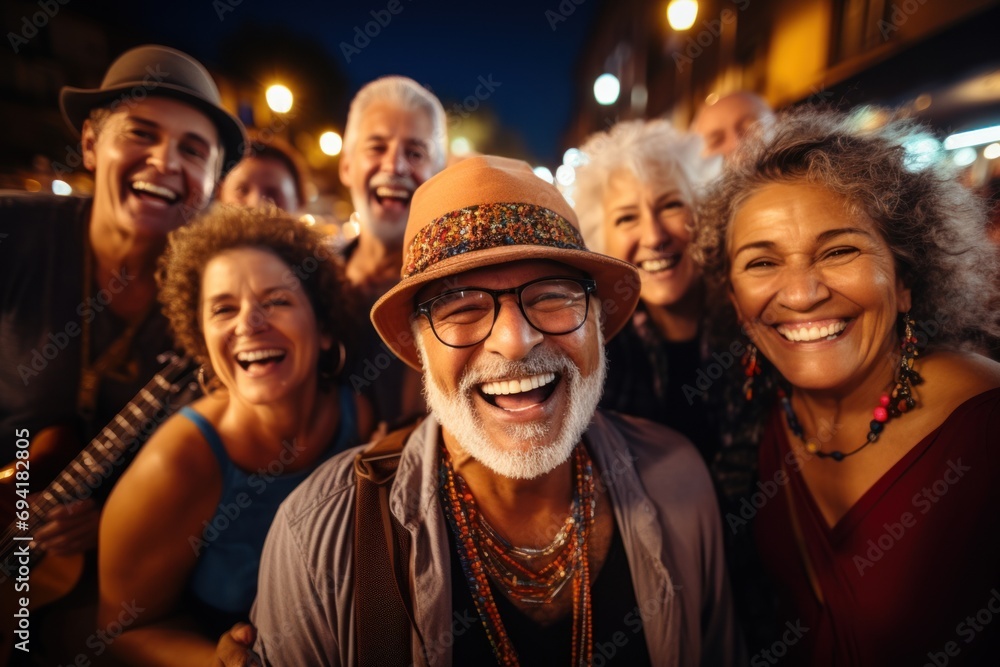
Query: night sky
[445, 47]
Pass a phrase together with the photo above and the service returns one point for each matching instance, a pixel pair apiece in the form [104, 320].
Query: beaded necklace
[893, 405]
[483, 557]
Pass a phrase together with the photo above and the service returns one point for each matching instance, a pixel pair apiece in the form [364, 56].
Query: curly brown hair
[311, 259]
[935, 227]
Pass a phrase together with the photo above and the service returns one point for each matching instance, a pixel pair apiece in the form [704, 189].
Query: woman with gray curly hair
[259, 299]
[634, 197]
[862, 277]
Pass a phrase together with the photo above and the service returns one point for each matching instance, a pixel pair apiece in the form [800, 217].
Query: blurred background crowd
[526, 79]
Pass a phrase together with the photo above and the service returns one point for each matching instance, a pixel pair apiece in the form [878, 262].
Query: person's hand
[70, 529]
[235, 647]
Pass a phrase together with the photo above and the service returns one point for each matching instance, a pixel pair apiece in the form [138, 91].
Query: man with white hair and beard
[394, 140]
[521, 524]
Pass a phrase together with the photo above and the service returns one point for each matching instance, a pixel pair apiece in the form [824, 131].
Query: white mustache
[392, 181]
[538, 361]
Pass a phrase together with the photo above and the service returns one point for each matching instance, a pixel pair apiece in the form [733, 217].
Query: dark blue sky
[441, 45]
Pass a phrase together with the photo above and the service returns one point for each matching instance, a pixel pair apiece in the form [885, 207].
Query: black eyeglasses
[553, 305]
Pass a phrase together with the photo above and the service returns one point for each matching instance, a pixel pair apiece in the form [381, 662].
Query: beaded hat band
[488, 211]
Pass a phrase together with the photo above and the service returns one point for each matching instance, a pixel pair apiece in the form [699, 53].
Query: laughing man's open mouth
[519, 393]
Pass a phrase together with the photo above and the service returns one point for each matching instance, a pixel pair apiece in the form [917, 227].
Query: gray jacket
[664, 506]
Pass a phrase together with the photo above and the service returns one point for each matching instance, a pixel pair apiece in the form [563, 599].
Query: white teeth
[385, 191]
[653, 265]
[809, 334]
[517, 386]
[153, 189]
[258, 355]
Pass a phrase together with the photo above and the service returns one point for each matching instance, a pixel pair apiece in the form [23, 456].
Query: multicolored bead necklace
[485, 555]
[892, 405]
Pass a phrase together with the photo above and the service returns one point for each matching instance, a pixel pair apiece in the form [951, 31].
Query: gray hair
[651, 150]
[935, 228]
[407, 94]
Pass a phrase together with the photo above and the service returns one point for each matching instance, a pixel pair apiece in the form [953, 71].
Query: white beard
[543, 451]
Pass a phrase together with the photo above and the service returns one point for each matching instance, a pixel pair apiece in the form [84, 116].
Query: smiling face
[519, 401]
[255, 181]
[816, 287]
[155, 164]
[260, 329]
[646, 224]
[388, 161]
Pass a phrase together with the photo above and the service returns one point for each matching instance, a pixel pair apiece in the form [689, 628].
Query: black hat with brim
[161, 71]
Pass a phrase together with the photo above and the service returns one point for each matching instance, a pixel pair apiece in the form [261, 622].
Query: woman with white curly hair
[635, 200]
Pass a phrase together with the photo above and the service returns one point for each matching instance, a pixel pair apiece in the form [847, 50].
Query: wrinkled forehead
[500, 276]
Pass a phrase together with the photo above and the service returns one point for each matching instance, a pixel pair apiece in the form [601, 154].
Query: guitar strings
[103, 448]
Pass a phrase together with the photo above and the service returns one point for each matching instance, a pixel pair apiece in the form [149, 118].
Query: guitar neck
[108, 453]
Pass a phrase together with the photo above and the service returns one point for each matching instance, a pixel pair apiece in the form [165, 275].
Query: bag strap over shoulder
[382, 601]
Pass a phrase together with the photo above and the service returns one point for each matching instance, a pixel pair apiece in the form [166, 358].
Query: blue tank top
[229, 548]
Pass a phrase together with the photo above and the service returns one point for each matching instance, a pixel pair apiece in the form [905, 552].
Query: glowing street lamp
[606, 89]
[279, 98]
[460, 146]
[682, 13]
[331, 143]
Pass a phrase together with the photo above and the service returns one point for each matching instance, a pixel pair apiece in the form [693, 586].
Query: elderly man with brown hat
[517, 524]
[79, 320]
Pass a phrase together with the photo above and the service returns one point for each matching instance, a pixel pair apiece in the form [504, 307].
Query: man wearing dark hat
[540, 529]
[79, 322]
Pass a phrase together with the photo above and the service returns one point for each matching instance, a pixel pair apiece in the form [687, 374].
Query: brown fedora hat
[158, 70]
[486, 211]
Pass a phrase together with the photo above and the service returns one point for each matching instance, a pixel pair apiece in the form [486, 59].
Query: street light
[682, 13]
[606, 89]
[279, 98]
[331, 143]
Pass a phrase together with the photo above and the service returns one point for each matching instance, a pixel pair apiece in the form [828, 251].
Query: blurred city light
[963, 157]
[330, 143]
[460, 146]
[606, 89]
[544, 173]
[61, 188]
[682, 13]
[574, 157]
[992, 152]
[921, 151]
[31, 185]
[978, 137]
[640, 96]
[350, 230]
[279, 98]
[565, 175]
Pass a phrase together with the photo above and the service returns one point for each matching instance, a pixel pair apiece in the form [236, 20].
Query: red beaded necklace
[483, 557]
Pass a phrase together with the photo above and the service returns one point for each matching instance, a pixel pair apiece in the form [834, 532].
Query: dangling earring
[751, 368]
[201, 380]
[901, 398]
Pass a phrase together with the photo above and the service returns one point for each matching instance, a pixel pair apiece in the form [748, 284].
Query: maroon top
[911, 573]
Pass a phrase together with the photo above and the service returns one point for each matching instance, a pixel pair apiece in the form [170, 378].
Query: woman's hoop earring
[343, 358]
